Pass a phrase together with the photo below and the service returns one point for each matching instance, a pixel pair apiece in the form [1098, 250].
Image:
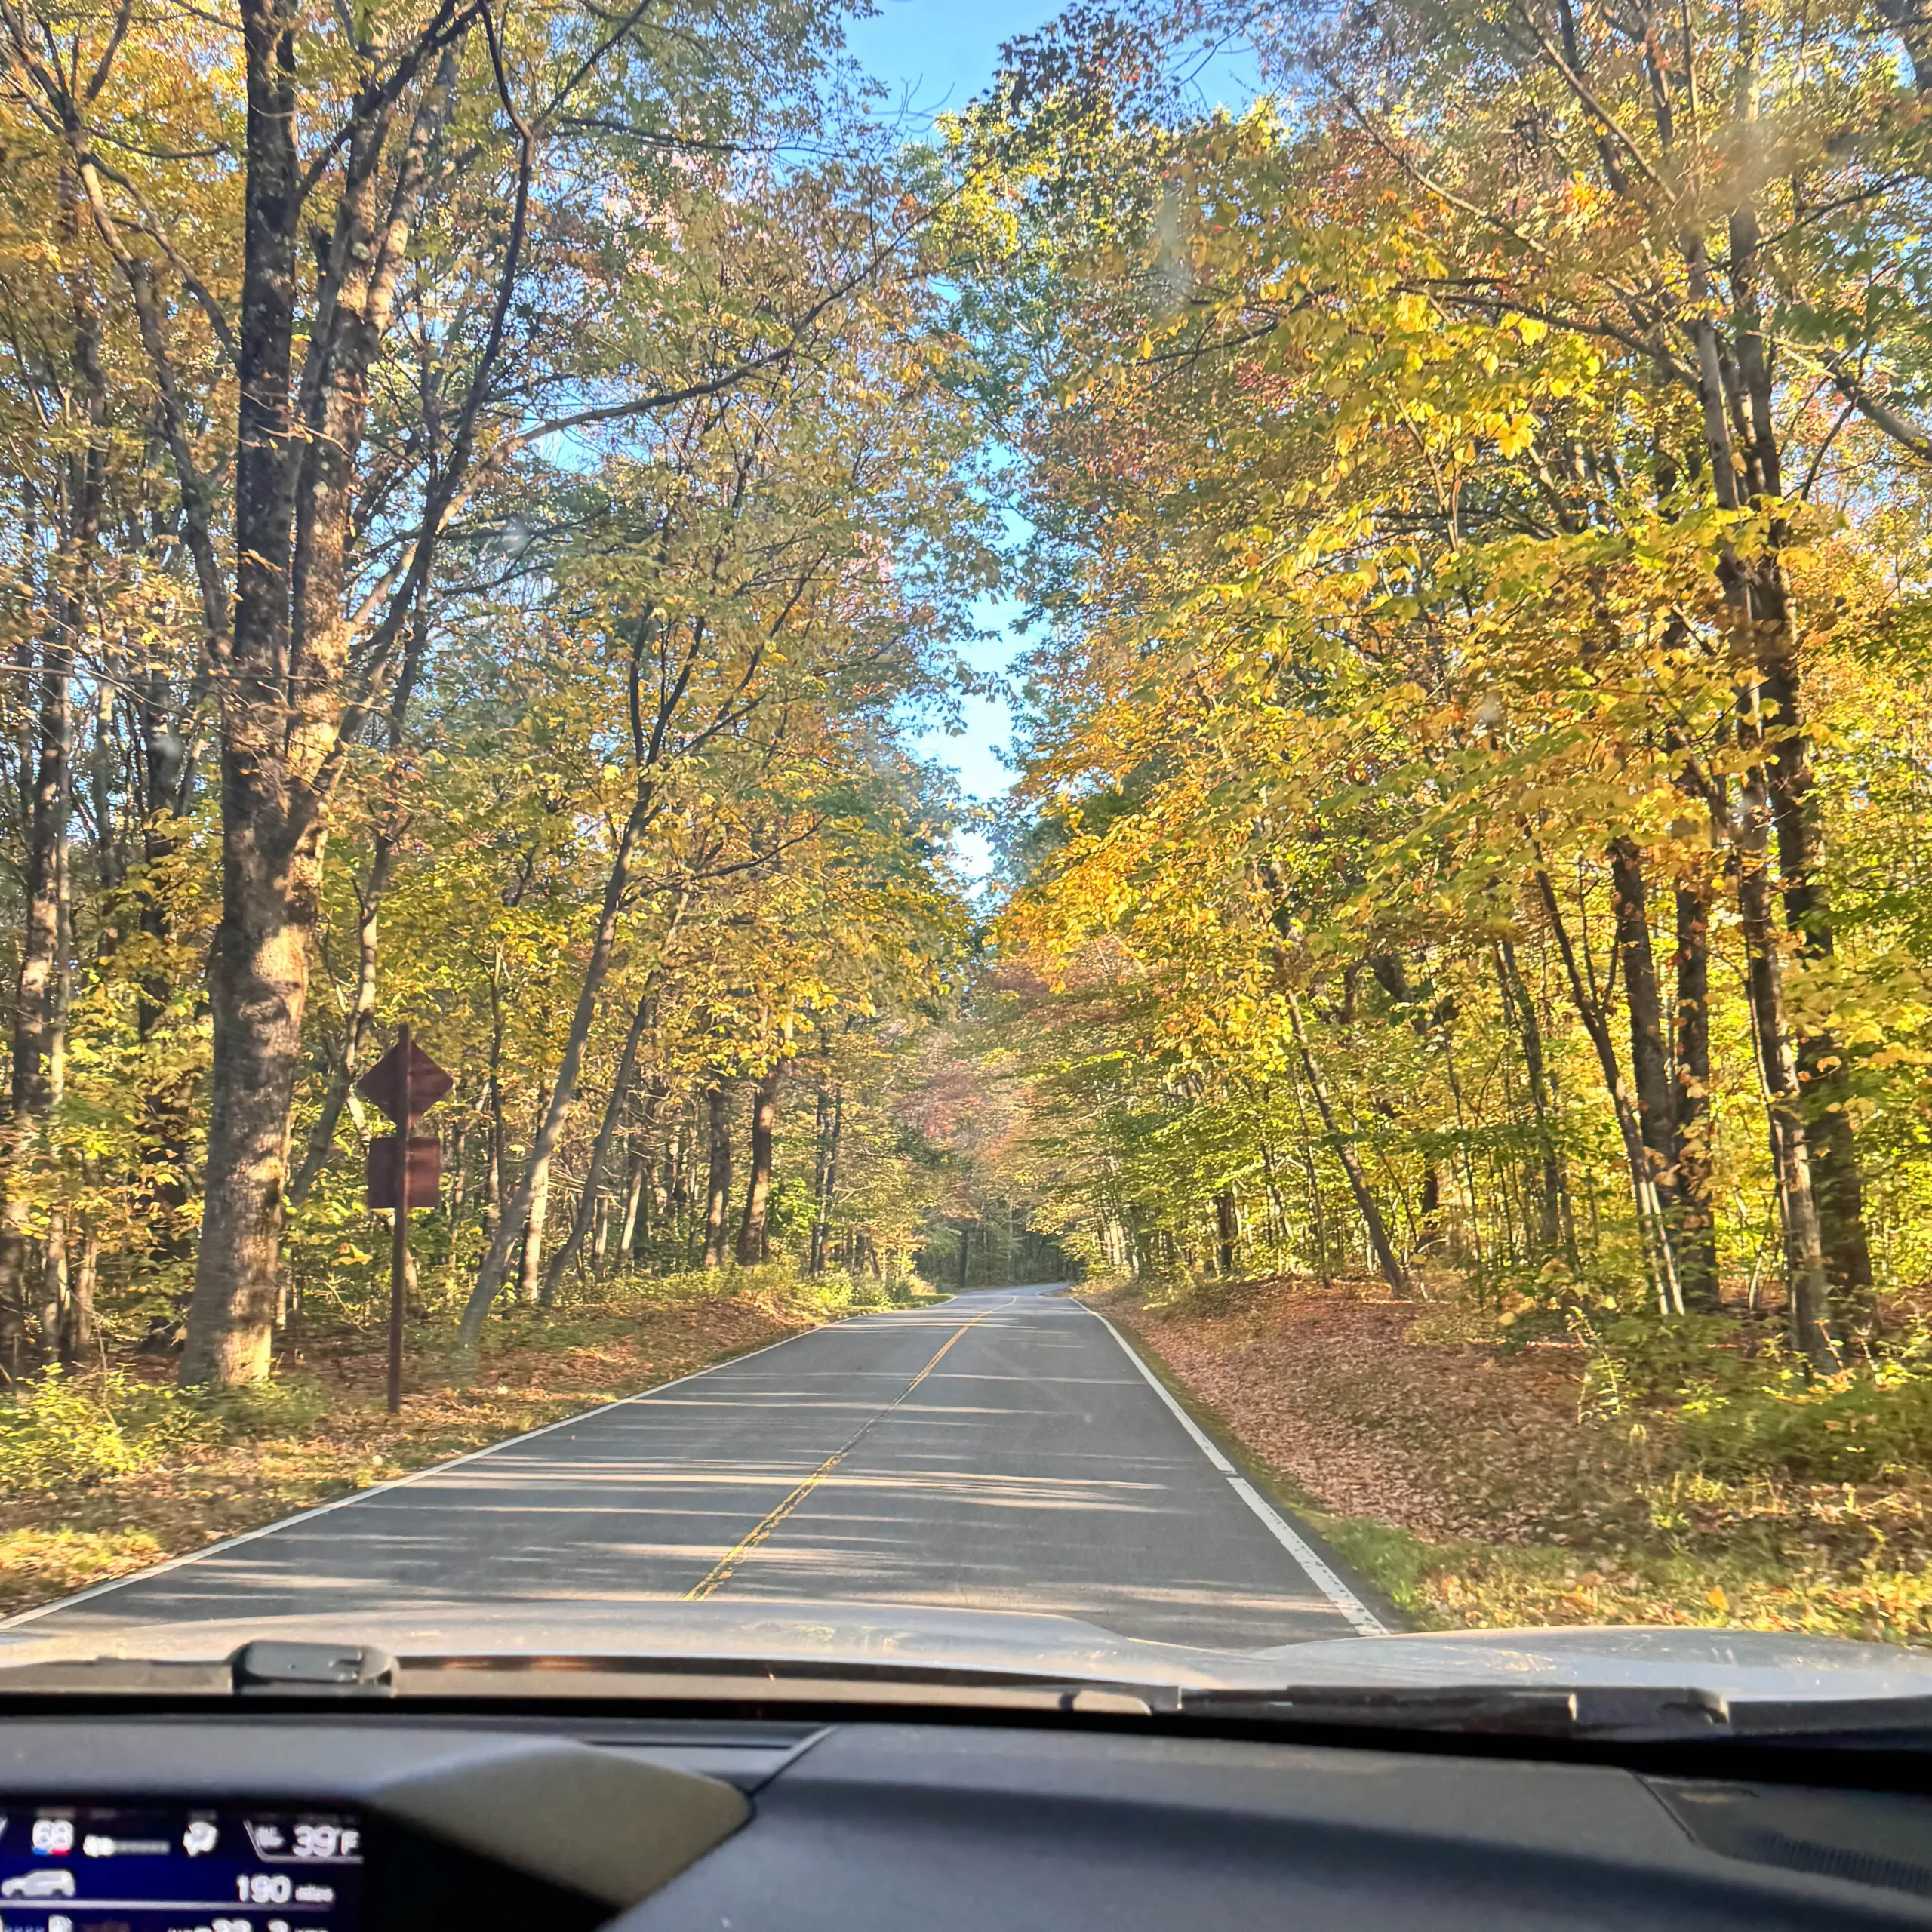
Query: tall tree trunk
[1365, 1201]
[1554, 1224]
[1650, 1062]
[1429, 1211]
[258, 989]
[258, 979]
[1312, 1180]
[530, 1265]
[677, 1168]
[718, 1196]
[1759, 589]
[284, 683]
[536, 1200]
[166, 1101]
[1807, 1288]
[53, 1296]
[1278, 1210]
[43, 988]
[634, 1186]
[459, 1169]
[1838, 1185]
[821, 1121]
[166, 772]
[607, 1130]
[1659, 1259]
[1227, 1231]
[758, 1193]
[674, 1200]
[832, 1121]
[1697, 1243]
[1820, 1186]
[80, 1334]
[496, 1151]
[39, 1017]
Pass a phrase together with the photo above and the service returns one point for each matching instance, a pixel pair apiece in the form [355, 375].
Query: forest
[1477, 770]
[496, 495]
[486, 496]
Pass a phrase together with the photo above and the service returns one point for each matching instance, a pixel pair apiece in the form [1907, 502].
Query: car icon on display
[38, 1885]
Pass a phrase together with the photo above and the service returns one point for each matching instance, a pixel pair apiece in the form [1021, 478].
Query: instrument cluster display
[94, 1868]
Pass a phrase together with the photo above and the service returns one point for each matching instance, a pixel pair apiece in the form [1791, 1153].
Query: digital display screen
[95, 1867]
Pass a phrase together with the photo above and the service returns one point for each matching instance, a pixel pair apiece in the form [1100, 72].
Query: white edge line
[1203, 1441]
[1319, 1573]
[394, 1482]
[1331, 1585]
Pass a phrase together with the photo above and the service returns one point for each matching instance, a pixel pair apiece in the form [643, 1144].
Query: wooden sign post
[404, 1172]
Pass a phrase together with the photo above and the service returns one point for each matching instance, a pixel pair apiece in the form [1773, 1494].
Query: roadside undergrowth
[1479, 1481]
[104, 1474]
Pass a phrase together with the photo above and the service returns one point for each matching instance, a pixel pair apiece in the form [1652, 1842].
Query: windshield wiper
[1617, 1714]
[1610, 1714]
[361, 1670]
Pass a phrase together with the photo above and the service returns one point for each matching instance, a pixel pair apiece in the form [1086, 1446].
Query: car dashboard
[373, 1820]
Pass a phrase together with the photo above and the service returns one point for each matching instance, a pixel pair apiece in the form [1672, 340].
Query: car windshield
[997, 842]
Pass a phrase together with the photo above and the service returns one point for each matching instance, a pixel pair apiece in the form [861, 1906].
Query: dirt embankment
[1378, 1408]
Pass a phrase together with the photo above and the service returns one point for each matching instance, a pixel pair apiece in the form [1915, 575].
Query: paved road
[1000, 1451]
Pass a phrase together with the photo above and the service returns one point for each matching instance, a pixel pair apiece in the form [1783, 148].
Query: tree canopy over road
[492, 497]
[487, 492]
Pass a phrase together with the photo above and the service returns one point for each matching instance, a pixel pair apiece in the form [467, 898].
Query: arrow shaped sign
[382, 1086]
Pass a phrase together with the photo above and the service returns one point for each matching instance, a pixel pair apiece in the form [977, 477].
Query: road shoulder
[1277, 1496]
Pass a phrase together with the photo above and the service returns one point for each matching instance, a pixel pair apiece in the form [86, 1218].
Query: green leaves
[1388, 571]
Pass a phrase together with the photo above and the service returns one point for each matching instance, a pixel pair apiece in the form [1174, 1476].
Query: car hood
[818, 1638]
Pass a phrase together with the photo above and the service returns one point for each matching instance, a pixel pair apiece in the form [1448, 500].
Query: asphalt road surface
[1000, 1451]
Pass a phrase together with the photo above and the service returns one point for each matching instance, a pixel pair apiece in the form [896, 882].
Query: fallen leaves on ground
[1465, 1478]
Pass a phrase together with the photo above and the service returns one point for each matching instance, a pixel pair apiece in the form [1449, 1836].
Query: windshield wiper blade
[1522, 1711]
[361, 1670]
[1612, 1713]
[1887, 1722]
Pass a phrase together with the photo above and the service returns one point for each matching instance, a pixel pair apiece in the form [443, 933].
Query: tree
[1399, 576]
[312, 479]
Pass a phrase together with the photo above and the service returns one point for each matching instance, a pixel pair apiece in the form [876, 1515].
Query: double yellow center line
[715, 1578]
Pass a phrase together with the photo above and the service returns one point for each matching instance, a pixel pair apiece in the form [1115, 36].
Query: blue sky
[940, 53]
[935, 55]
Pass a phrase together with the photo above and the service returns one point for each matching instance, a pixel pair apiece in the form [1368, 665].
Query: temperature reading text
[327, 1840]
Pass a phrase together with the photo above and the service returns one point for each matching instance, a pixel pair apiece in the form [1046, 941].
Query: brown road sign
[426, 1172]
[382, 1085]
[404, 1172]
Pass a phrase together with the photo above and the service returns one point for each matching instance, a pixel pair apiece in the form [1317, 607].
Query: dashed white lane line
[1325, 1580]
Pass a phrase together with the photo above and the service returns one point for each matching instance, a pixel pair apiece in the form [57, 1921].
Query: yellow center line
[720, 1572]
